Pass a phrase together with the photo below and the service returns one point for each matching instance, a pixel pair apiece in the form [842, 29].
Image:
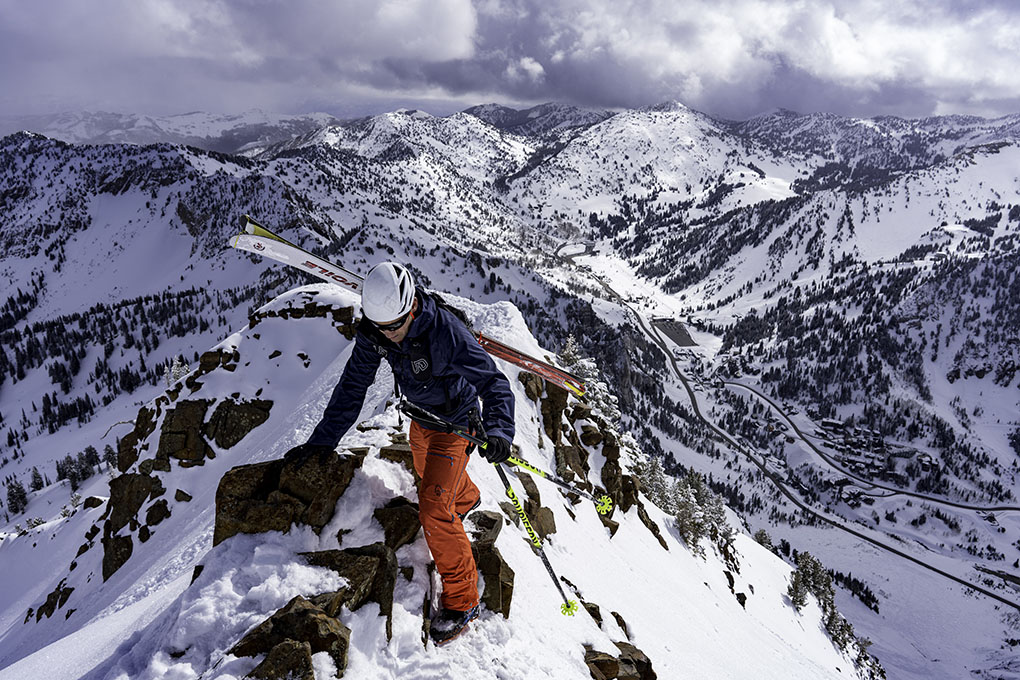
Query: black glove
[497, 450]
[299, 455]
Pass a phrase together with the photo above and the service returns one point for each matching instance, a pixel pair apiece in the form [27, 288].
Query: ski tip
[577, 389]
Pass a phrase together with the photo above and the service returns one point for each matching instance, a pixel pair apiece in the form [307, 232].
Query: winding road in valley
[778, 481]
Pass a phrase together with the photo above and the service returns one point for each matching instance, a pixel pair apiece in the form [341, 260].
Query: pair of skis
[257, 239]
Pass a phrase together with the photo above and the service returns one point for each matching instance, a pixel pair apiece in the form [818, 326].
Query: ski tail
[261, 241]
[543, 369]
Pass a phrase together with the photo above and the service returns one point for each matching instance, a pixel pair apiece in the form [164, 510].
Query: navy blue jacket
[438, 366]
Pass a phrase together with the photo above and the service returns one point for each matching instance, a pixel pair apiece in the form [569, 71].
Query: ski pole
[603, 504]
[569, 607]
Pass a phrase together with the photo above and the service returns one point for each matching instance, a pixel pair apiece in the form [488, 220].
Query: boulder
[601, 665]
[383, 581]
[299, 621]
[591, 436]
[231, 421]
[399, 520]
[636, 658]
[157, 512]
[289, 659]
[271, 496]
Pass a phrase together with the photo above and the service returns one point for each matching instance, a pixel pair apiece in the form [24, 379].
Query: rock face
[253, 499]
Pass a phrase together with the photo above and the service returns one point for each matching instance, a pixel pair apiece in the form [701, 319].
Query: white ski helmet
[388, 292]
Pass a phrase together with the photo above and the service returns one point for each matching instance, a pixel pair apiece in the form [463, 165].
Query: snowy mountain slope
[184, 630]
[544, 119]
[854, 272]
[227, 134]
[886, 142]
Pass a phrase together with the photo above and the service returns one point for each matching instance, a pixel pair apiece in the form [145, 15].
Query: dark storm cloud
[732, 58]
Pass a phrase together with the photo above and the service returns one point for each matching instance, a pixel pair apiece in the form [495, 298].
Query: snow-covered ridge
[169, 628]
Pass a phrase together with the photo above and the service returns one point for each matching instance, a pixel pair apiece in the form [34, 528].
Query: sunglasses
[386, 327]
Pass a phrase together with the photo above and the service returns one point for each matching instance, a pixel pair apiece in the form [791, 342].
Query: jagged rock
[629, 486]
[383, 581]
[157, 512]
[593, 611]
[116, 551]
[542, 519]
[652, 526]
[399, 520]
[640, 662]
[127, 494]
[144, 533]
[601, 665]
[92, 502]
[271, 496]
[497, 576]
[533, 385]
[553, 406]
[612, 525]
[231, 421]
[569, 463]
[127, 448]
[289, 659]
[622, 624]
[487, 525]
[182, 496]
[591, 436]
[300, 621]
[360, 572]
[54, 601]
[579, 412]
[632, 664]
[181, 434]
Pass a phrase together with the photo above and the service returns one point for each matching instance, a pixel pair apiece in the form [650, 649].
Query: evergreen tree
[37, 480]
[110, 456]
[17, 497]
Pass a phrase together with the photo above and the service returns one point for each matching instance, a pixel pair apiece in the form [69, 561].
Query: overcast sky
[730, 58]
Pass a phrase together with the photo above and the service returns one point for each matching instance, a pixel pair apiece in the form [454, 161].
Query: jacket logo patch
[420, 365]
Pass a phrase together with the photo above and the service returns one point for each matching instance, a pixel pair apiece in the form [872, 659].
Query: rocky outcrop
[343, 317]
[55, 600]
[181, 435]
[497, 576]
[299, 622]
[231, 421]
[629, 664]
[553, 406]
[271, 496]
[376, 561]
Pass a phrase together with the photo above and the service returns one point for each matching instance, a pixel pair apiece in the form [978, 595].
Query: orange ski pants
[446, 492]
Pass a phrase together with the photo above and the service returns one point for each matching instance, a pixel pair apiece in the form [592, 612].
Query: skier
[437, 365]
